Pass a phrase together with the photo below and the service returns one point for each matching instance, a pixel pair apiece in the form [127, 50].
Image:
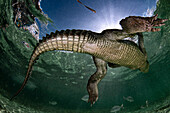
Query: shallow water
[58, 81]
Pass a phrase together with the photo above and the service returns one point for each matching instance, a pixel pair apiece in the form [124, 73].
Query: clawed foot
[134, 24]
[93, 92]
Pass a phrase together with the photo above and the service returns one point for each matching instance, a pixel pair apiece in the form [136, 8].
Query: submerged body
[100, 45]
[107, 48]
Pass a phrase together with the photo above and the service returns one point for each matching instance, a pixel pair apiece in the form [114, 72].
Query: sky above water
[69, 14]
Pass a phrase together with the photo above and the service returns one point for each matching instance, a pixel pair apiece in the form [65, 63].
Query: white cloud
[149, 12]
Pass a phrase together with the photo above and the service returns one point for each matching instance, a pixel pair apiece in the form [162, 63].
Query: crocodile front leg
[141, 44]
[92, 88]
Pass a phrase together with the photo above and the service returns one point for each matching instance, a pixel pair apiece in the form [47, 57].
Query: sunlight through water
[59, 78]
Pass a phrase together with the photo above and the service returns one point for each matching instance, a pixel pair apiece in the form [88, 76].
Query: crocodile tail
[68, 40]
[31, 63]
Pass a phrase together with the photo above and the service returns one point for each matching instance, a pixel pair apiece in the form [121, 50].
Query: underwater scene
[59, 78]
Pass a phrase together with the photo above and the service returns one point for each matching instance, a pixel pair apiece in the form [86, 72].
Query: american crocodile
[107, 47]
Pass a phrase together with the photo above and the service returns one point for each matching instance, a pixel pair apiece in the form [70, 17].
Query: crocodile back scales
[124, 53]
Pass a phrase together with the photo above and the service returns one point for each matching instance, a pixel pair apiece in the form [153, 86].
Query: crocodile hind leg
[92, 88]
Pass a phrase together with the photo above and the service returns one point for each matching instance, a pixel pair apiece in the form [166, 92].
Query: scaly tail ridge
[69, 40]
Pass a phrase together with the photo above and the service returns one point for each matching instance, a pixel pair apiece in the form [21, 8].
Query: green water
[58, 81]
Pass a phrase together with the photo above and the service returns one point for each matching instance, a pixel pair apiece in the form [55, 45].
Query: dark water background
[58, 81]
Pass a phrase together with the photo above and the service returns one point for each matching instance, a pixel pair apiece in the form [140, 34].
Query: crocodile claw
[93, 93]
[93, 99]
